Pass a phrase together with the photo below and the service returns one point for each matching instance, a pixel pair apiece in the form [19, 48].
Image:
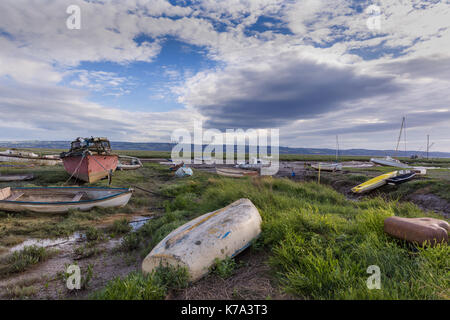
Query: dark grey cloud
[430, 67]
[289, 90]
[413, 120]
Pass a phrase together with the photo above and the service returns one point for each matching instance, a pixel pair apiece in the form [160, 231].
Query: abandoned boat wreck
[90, 159]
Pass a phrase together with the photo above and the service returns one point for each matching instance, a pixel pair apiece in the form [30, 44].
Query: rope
[108, 171]
[76, 170]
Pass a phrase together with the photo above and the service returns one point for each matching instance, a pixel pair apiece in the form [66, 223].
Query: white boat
[129, 163]
[62, 199]
[254, 163]
[325, 166]
[26, 156]
[16, 177]
[390, 162]
[236, 173]
[215, 235]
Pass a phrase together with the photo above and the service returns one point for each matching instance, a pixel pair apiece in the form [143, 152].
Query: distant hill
[151, 146]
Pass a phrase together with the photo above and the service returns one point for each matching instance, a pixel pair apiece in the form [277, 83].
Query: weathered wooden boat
[29, 157]
[90, 159]
[62, 199]
[402, 177]
[16, 177]
[236, 173]
[325, 166]
[374, 183]
[215, 235]
[417, 230]
[389, 162]
[129, 163]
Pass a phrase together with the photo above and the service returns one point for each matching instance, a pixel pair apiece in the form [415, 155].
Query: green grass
[137, 286]
[20, 261]
[321, 244]
[224, 268]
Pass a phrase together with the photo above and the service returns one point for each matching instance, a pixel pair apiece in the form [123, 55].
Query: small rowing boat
[324, 166]
[402, 177]
[216, 235]
[16, 177]
[129, 163]
[62, 199]
[236, 173]
[374, 183]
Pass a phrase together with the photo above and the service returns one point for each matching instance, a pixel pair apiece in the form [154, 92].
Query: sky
[138, 70]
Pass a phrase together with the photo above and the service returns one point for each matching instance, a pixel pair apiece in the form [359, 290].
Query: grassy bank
[320, 244]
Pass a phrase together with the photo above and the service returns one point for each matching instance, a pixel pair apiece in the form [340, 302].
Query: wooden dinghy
[129, 163]
[323, 166]
[215, 235]
[236, 173]
[374, 183]
[16, 177]
[62, 199]
[402, 177]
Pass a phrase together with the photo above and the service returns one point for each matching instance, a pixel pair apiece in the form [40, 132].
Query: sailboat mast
[337, 148]
[400, 135]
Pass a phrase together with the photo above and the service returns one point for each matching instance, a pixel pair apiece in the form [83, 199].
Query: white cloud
[38, 52]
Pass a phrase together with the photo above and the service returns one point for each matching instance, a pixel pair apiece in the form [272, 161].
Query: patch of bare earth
[47, 281]
[252, 280]
[429, 201]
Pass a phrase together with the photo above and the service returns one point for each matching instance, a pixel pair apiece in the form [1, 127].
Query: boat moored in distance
[325, 166]
[90, 159]
[129, 163]
[389, 162]
[13, 155]
[62, 199]
[236, 173]
[374, 183]
[402, 177]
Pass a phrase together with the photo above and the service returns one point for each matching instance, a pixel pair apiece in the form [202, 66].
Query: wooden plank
[78, 196]
[16, 196]
[5, 193]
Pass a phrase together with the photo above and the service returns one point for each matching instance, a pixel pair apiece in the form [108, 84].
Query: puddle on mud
[137, 223]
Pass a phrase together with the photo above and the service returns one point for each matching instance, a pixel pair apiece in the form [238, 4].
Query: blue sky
[136, 71]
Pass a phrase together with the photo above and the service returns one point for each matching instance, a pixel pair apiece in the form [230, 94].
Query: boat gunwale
[126, 191]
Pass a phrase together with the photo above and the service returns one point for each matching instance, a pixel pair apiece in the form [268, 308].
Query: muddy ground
[252, 280]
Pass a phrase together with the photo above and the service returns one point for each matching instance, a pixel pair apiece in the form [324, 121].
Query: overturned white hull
[215, 235]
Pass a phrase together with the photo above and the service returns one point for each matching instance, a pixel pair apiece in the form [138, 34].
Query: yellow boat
[374, 183]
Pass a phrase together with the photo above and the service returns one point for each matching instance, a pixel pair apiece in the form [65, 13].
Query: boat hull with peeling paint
[215, 235]
[90, 168]
[62, 199]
